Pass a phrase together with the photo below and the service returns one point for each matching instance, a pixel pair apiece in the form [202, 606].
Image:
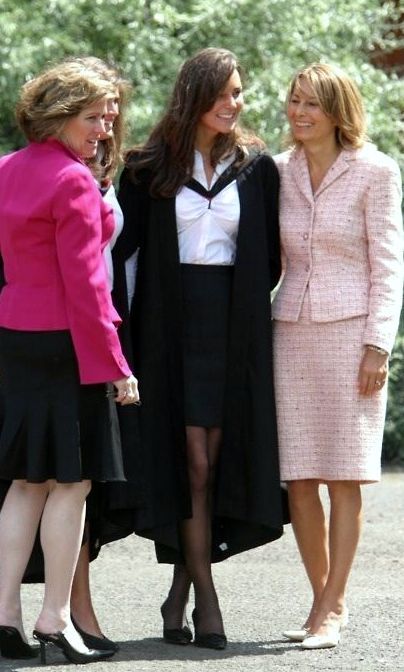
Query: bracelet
[376, 348]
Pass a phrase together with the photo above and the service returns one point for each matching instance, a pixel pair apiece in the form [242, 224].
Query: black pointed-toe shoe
[71, 645]
[208, 640]
[13, 646]
[181, 636]
[93, 642]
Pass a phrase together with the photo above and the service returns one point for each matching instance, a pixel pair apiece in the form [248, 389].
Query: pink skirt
[327, 431]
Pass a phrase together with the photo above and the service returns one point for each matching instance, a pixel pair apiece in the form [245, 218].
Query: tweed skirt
[53, 427]
[327, 431]
[206, 291]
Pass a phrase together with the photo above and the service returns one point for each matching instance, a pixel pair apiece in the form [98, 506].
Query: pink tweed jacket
[344, 243]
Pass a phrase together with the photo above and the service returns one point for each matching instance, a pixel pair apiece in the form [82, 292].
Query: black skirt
[53, 427]
[206, 291]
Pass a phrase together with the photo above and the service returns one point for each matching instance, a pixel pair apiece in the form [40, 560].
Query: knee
[302, 493]
[35, 490]
[85, 488]
[78, 491]
[343, 491]
[199, 474]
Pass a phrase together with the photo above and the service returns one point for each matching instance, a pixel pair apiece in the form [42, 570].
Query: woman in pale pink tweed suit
[336, 313]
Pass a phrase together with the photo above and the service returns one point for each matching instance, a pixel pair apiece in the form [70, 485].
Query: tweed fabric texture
[344, 244]
[327, 431]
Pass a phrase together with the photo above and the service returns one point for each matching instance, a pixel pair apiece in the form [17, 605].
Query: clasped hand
[127, 391]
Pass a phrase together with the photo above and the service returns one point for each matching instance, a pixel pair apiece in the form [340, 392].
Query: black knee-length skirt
[206, 291]
[53, 427]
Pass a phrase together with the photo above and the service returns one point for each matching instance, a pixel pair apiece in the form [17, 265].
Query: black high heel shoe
[73, 654]
[93, 642]
[12, 644]
[182, 636]
[177, 635]
[208, 640]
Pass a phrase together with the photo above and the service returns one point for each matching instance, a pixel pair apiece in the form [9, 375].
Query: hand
[373, 372]
[127, 391]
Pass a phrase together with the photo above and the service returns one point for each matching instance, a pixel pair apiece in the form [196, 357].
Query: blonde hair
[55, 95]
[339, 98]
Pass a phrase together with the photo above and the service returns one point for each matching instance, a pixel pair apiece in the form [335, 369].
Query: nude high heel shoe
[299, 635]
[296, 635]
[323, 641]
[331, 639]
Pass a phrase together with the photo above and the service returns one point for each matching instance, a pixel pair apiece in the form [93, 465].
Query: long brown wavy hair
[168, 153]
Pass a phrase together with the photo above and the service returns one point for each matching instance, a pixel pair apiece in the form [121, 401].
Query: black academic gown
[249, 505]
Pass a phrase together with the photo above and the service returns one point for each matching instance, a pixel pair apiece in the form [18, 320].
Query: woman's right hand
[127, 391]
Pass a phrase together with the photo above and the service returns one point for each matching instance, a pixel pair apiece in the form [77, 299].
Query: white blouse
[110, 198]
[207, 230]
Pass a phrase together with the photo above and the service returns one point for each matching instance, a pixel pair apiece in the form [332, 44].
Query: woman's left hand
[373, 372]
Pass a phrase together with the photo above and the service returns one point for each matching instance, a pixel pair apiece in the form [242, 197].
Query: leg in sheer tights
[81, 602]
[203, 445]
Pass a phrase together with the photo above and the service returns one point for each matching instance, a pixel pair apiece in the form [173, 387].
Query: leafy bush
[393, 442]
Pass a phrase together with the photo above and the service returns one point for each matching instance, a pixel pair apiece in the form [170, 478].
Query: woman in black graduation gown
[200, 201]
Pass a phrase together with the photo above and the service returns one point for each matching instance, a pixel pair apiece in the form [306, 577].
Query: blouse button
[305, 236]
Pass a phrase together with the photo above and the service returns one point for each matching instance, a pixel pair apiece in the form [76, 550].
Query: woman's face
[110, 115]
[82, 132]
[308, 122]
[223, 116]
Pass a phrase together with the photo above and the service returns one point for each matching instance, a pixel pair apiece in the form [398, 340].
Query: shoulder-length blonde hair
[339, 98]
[55, 95]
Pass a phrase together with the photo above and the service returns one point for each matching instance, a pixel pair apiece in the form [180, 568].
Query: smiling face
[82, 132]
[223, 115]
[112, 111]
[308, 122]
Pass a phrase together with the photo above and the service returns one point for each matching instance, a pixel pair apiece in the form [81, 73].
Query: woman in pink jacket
[59, 349]
[336, 313]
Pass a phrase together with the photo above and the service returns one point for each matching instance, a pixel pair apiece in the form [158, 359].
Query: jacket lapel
[301, 176]
[338, 168]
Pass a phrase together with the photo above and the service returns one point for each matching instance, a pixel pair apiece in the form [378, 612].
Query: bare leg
[19, 520]
[345, 527]
[81, 603]
[310, 530]
[62, 527]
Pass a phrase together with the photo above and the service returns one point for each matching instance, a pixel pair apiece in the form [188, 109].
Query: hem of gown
[229, 537]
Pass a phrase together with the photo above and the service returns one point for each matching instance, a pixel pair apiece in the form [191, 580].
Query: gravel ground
[262, 592]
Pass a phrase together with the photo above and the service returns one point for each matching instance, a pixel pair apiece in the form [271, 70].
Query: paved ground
[262, 592]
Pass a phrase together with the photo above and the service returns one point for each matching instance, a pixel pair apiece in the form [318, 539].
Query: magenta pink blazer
[53, 227]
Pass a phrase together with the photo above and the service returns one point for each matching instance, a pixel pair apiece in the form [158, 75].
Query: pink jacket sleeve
[385, 246]
[81, 220]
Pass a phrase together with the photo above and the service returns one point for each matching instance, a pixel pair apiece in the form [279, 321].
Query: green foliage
[150, 38]
[393, 442]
